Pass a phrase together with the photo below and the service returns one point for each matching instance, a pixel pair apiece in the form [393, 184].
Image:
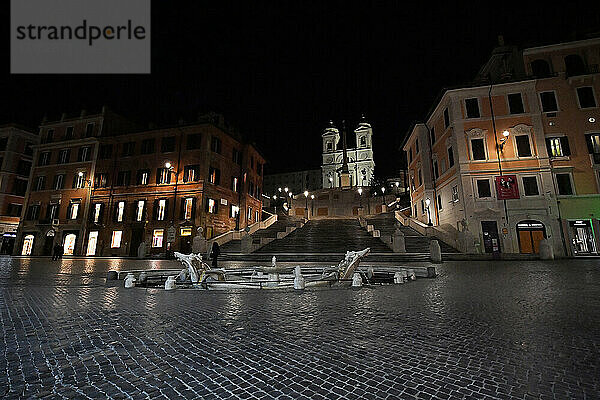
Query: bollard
[299, 282]
[143, 277]
[170, 283]
[398, 278]
[404, 275]
[183, 275]
[398, 242]
[370, 273]
[129, 281]
[411, 275]
[356, 280]
[546, 250]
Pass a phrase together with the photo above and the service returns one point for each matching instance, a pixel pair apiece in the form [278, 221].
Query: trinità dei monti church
[360, 163]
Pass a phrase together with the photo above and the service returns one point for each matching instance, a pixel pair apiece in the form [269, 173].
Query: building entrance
[582, 237]
[491, 240]
[530, 234]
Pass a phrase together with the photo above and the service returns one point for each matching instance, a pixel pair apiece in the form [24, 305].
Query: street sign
[171, 234]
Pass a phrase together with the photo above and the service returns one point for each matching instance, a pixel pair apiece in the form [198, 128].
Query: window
[417, 146]
[472, 107]
[143, 176]
[515, 103]
[14, 210]
[187, 231]
[50, 135]
[79, 180]
[439, 201]
[167, 144]
[540, 68]
[123, 178]
[97, 216]
[120, 211]
[478, 149]
[115, 241]
[23, 167]
[484, 190]
[548, 100]
[105, 151]
[454, 193]
[563, 182]
[446, 118]
[251, 188]
[523, 147]
[89, 129]
[191, 173]
[147, 146]
[188, 208]
[52, 211]
[256, 216]
[422, 207]
[84, 154]
[73, 211]
[593, 143]
[44, 158]
[420, 178]
[139, 210]
[249, 214]
[64, 156]
[237, 156]
[40, 183]
[558, 146]
[436, 170]
[211, 206]
[363, 141]
[163, 176]
[69, 133]
[28, 150]
[59, 181]
[450, 157]
[586, 98]
[530, 186]
[214, 175]
[100, 180]
[128, 149]
[20, 186]
[193, 141]
[161, 209]
[233, 211]
[215, 144]
[33, 212]
[234, 183]
[3, 143]
[157, 237]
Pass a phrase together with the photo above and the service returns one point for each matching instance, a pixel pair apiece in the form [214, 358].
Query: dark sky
[280, 70]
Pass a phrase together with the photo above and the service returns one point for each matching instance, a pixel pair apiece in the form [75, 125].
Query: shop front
[580, 223]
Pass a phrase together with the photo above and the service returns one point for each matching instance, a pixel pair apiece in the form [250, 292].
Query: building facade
[360, 157]
[128, 186]
[504, 165]
[297, 181]
[16, 152]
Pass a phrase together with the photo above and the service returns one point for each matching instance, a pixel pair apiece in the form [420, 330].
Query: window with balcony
[143, 176]
[123, 178]
[523, 146]
[139, 210]
[586, 98]
[515, 103]
[52, 211]
[59, 182]
[472, 107]
[163, 176]
[191, 173]
[40, 183]
[558, 146]
[593, 144]
[33, 212]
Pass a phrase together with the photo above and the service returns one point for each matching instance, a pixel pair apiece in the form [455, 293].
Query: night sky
[281, 70]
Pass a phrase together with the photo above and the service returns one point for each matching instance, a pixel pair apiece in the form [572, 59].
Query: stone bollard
[299, 282]
[398, 278]
[546, 250]
[435, 251]
[183, 275]
[112, 276]
[356, 280]
[143, 277]
[431, 272]
[411, 275]
[404, 274]
[370, 273]
[170, 283]
[129, 281]
[398, 243]
[141, 250]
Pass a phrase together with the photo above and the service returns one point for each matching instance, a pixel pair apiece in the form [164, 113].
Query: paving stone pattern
[480, 330]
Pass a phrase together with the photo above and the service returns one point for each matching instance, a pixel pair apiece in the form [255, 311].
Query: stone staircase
[327, 236]
[414, 242]
[279, 228]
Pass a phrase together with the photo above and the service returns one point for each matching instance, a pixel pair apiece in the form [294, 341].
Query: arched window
[540, 68]
[363, 141]
[530, 234]
[575, 65]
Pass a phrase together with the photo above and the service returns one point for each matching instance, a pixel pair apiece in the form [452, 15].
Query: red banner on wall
[507, 187]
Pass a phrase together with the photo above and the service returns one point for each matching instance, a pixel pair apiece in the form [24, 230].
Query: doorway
[27, 245]
[48, 245]
[69, 244]
[137, 237]
[92, 243]
[530, 234]
[582, 237]
[491, 240]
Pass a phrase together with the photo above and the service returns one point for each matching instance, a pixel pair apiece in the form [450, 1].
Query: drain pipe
[435, 200]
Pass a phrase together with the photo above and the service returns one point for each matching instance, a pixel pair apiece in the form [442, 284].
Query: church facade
[360, 158]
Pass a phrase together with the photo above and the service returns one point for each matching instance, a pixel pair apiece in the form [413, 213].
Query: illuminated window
[188, 208]
[97, 211]
[79, 180]
[249, 213]
[185, 232]
[139, 210]
[120, 211]
[555, 147]
[27, 245]
[160, 214]
[234, 183]
[157, 238]
[163, 176]
[115, 242]
[212, 206]
[214, 175]
[74, 210]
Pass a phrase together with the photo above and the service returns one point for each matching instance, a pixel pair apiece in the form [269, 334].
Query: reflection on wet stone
[501, 330]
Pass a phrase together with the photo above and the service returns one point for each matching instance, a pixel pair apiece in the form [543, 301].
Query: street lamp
[306, 203]
[275, 203]
[427, 203]
[312, 204]
[383, 192]
[505, 135]
[279, 190]
[360, 196]
[330, 182]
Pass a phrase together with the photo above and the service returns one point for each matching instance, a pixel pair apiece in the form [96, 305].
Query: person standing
[214, 254]
[56, 252]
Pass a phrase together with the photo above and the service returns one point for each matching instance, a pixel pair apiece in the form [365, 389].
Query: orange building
[495, 161]
[129, 186]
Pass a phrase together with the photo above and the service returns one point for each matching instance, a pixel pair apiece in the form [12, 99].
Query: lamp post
[360, 197]
[275, 203]
[383, 193]
[312, 204]
[427, 203]
[306, 203]
[291, 198]
[330, 182]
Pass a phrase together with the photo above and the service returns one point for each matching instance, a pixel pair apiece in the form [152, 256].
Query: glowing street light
[427, 203]
[505, 135]
[360, 196]
[306, 203]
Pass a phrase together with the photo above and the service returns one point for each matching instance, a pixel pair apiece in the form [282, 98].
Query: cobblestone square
[479, 330]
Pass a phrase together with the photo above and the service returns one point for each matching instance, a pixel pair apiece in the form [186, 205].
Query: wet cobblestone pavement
[480, 330]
